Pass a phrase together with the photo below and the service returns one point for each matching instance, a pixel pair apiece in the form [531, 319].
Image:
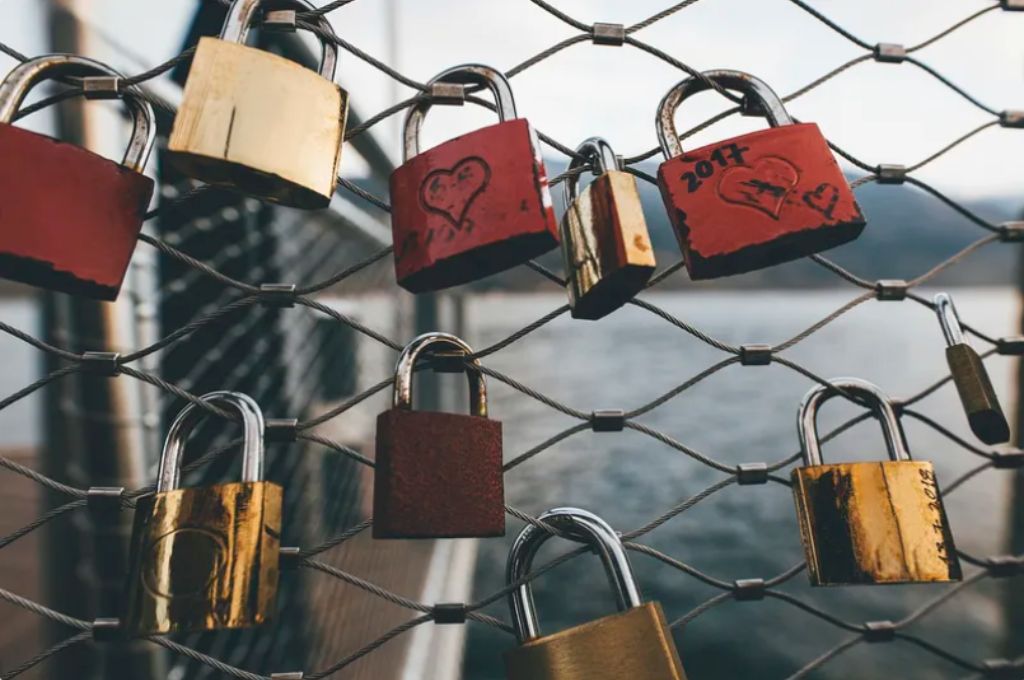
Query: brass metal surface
[631, 645]
[866, 523]
[259, 123]
[979, 399]
[205, 558]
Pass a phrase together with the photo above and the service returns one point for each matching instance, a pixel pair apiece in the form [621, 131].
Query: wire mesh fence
[224, 328]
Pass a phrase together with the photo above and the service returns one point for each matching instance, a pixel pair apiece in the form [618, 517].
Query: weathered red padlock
[69, 219]
[755, 200]
[438, 475]
[474, 205]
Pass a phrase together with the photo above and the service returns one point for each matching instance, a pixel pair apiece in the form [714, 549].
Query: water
[741, 414]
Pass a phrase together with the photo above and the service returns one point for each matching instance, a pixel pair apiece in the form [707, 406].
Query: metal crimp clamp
[449, 613]
[879, 631]
[281, 20]
[890, 53]
[104, 499]
[755, 355]
[281, 430]
[449, 94]
[1000, 669]
[1011, 232]
[291, 675]
[1011, 119]
[891, 289]
[107, 364]
[278, 295]
[106, 629]
[608, 34]
[891, 173]
[101, 87]
[608, 420]
[1012, 5]
[289, 557]
[1004, 566]
[748, 589]
[1012, 345]
[748, 474]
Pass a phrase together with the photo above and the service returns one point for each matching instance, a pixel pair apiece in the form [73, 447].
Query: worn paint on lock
[978, 396]
[872, 523]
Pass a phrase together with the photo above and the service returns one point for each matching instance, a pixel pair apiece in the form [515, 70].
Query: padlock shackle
[20, 81]
[466, 74]
[406, 366]
[665, 123]
[596, 151]
[242, 13]
[584, 527]
[949, 319]
[881, 405]
[169, 473]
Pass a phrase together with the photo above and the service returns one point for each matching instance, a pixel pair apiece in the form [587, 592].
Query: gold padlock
[607, 250]
[206, 558]
[634, 644]
[257, 122]
[870, 522]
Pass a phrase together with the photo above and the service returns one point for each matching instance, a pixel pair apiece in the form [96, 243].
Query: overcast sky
[881, 113]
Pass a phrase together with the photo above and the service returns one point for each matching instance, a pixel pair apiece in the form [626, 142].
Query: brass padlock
[870, 522]
[206, 558]
[607, 250]
[257, 122]
[634, 644]
[984, 414]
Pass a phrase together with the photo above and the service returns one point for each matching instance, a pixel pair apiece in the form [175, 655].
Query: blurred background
[90, 431]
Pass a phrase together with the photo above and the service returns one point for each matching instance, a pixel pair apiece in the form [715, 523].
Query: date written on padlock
[755, 200]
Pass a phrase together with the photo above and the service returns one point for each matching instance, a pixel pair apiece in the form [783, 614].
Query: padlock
[257, 122]
[206, 558]
[474, 205]
[984, 414]
[607, 250]
[438, 475]
[755, 200]
[633, 644]
[69, 219]
[869, 522]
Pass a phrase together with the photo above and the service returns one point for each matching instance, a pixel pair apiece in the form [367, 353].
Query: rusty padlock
[438, 475]
[257, 122]
[755, 200]
[870, 522]
[474, 205]
[634, 644]
[984, 414]
[69, 219]
[607, 250]
[206, 558]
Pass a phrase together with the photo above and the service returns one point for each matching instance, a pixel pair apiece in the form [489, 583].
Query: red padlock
[474, 205]
[755, 200]
[69, 218]
[438, 475]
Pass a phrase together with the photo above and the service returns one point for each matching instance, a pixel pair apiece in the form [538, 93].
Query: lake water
[741, 414]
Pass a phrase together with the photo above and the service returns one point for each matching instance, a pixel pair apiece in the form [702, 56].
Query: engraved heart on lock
[451, 193]
[823, 199]
[763, 185]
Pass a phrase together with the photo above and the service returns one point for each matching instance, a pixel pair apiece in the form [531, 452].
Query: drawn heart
[763, 185]
[823, 199]
[451, 192]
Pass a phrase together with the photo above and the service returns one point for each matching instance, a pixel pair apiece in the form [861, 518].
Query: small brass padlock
[257, 122]
[206, 558]
[634, 644]
[870, 523]
[606, 247]
[984, 414]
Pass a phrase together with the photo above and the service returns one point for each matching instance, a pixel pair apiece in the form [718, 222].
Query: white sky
[879, 112]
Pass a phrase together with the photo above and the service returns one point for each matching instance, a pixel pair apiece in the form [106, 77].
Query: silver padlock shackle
[242, 13]
[466, 74]
[402, 396]
[881, 405]
[949, 319]
[594, 150]
[20, 81]
[668, 137]
[582, 526]
[169, 474]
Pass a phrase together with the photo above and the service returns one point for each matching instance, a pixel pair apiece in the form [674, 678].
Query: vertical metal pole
[1014, 594]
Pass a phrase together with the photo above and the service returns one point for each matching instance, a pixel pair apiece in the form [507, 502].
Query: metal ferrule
[20, 81]
[771, 105]
[807, 427]
[242, 13]
[949, 319]
[466, 74]
[402, 397]
[169, 474]
[594, 150]
[581, 526]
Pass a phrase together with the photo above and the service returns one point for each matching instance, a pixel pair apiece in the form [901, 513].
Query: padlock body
[471, 207]
[634, 644]
[608, 252]
[69, 219]
[205, 558]
[758, 200]
[259, 123]
[874, 523]
[437, 475]
[984, 414]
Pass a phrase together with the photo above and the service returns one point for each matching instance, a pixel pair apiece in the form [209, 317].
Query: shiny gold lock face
[259, 123]
[607, 249]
